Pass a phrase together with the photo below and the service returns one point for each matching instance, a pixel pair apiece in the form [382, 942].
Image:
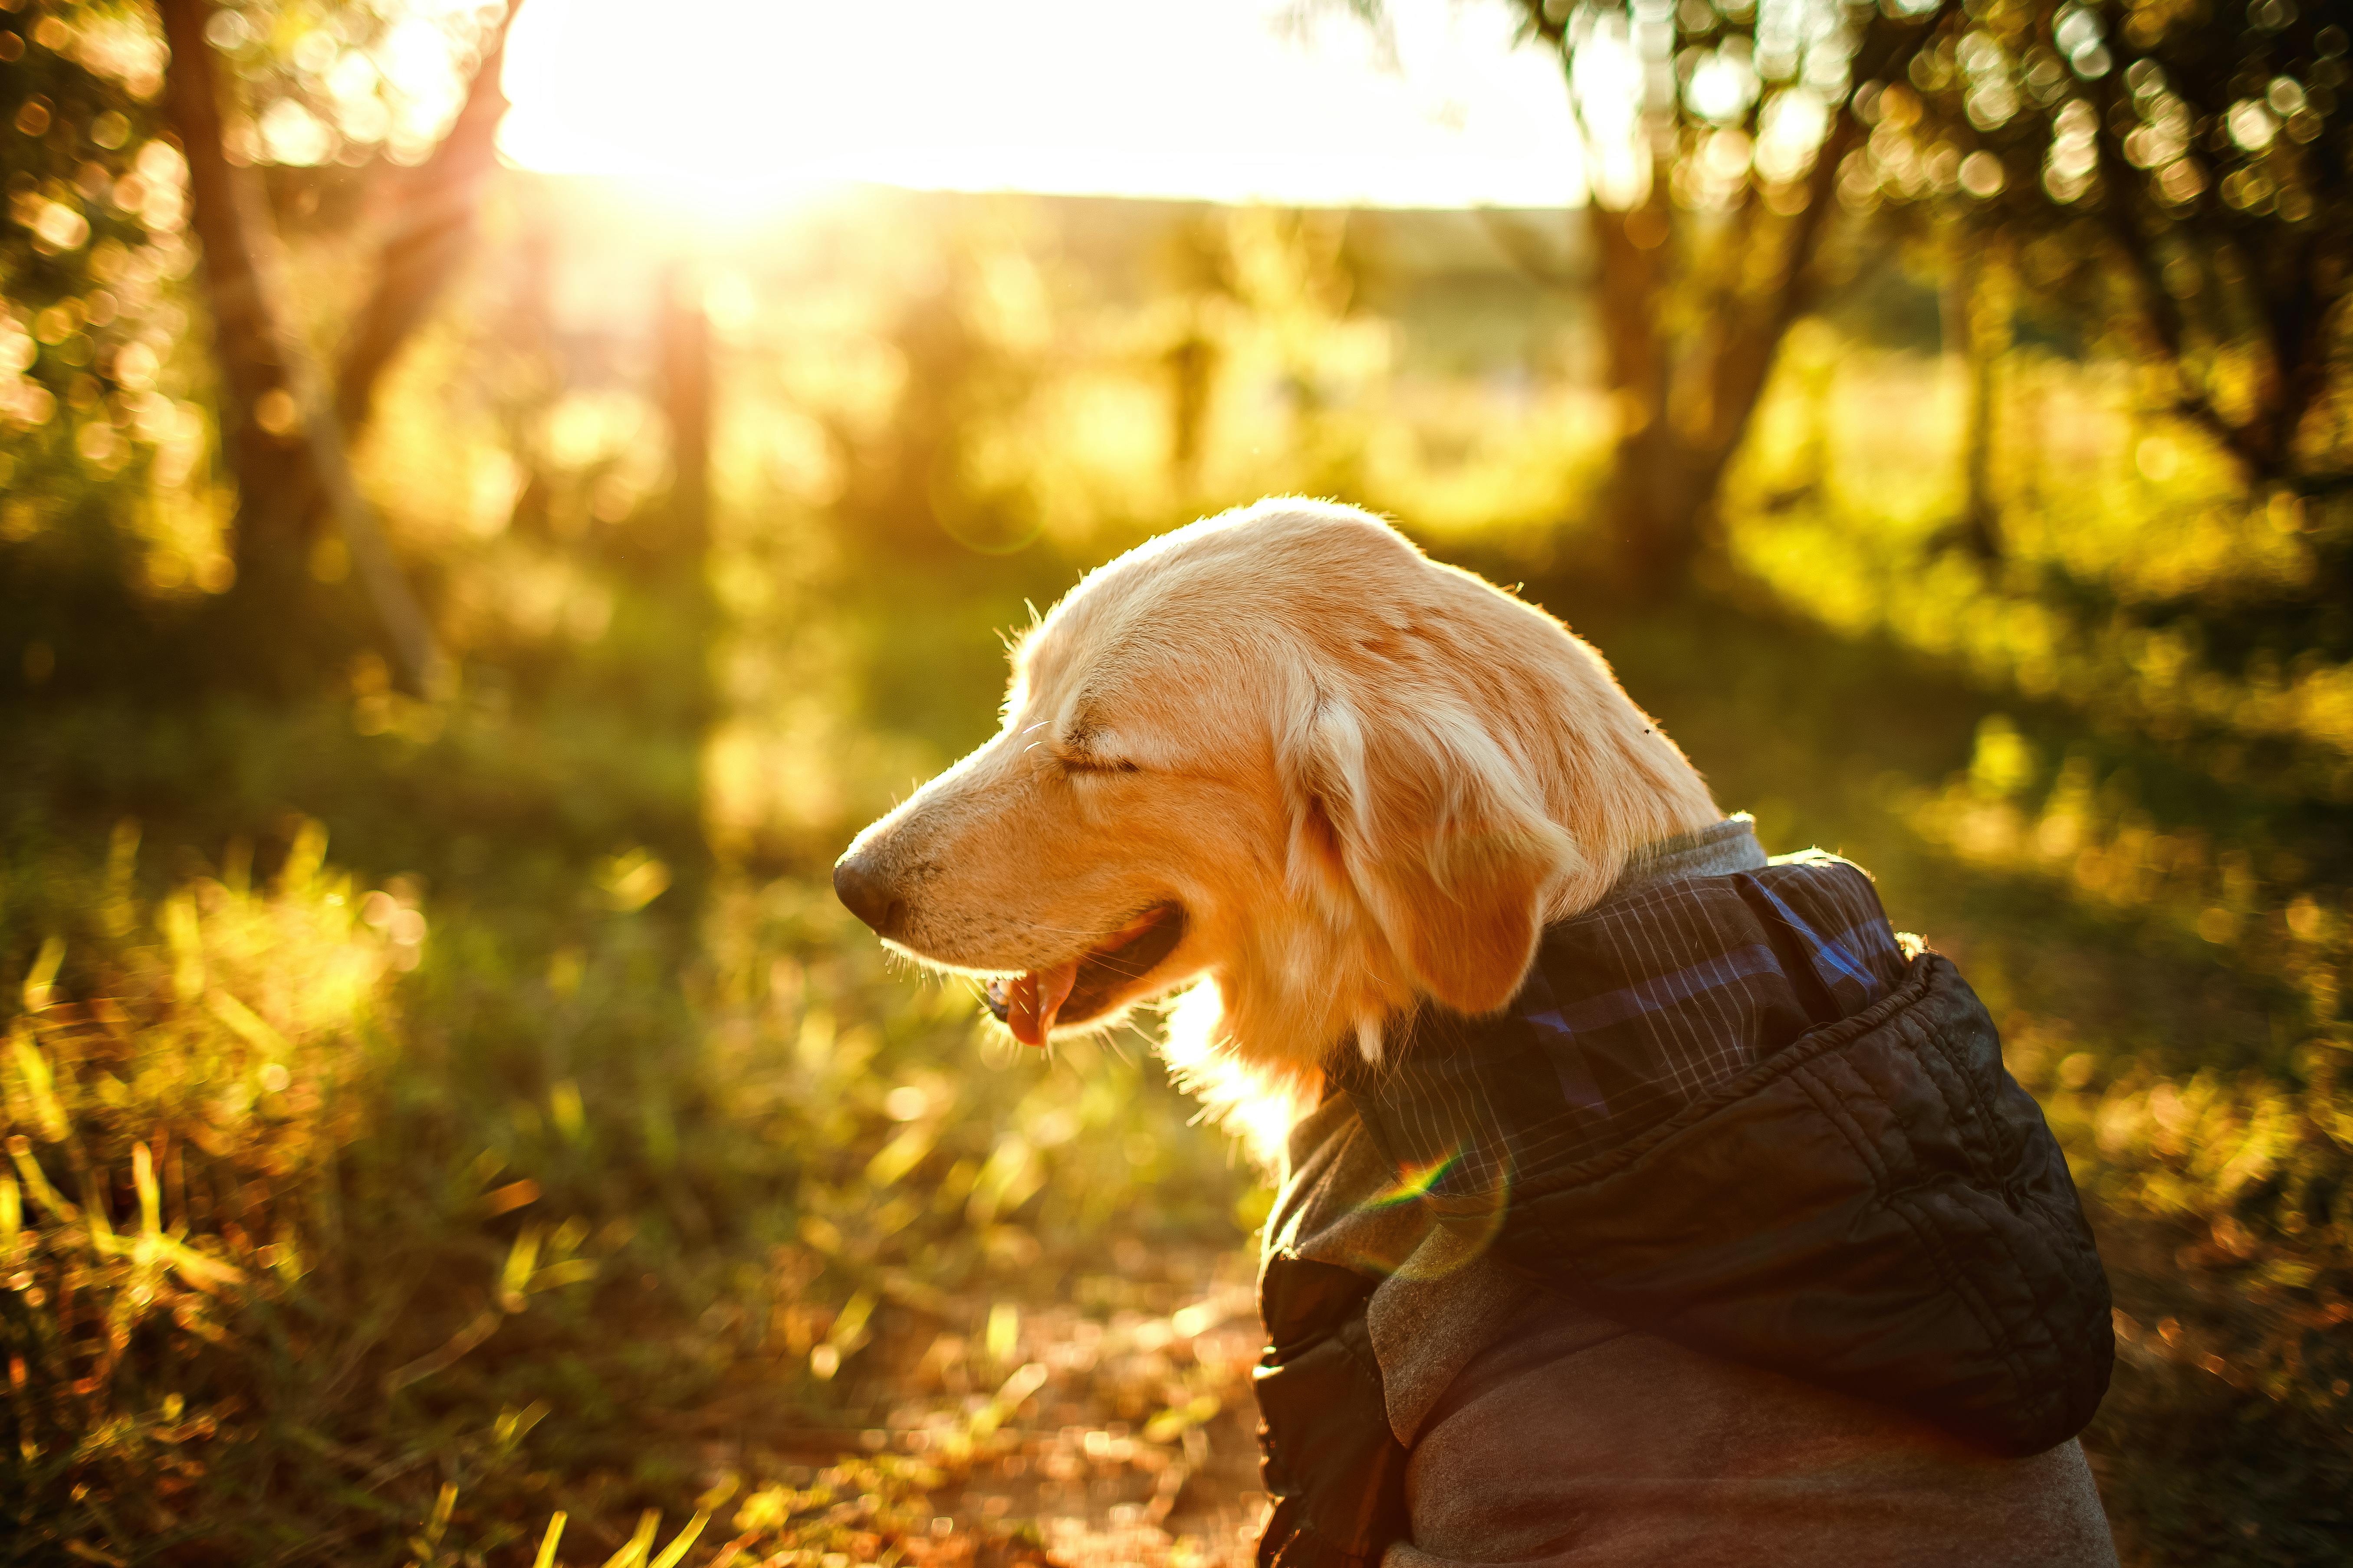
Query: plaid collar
[1703, 960]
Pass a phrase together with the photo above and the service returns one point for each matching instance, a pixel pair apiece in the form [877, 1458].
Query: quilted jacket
[1734, 1112]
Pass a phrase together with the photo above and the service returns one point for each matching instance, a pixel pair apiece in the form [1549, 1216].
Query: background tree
[127, 127]
[2195, 156]
[285, 431]
[2179, 170]
[2166, 185]
[89, 251]
[1712, 136]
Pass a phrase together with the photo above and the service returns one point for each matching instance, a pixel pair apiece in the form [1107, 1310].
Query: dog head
[1282, 751]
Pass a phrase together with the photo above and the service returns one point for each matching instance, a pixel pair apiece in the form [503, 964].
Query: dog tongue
[1031, 1002]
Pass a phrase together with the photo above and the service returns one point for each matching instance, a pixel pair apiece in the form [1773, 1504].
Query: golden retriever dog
[1283, 754]
[1285, 757]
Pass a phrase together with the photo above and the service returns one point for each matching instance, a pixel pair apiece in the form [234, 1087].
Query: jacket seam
[1833, 1110]
[1931, 1237]
[1953, 1055]
[2016, 1347]
[1829, 1040]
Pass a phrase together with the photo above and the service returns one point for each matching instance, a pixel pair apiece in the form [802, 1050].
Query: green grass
[323, 1205]
[577, 1201]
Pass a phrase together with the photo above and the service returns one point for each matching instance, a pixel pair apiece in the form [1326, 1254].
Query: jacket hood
[1736, 1110]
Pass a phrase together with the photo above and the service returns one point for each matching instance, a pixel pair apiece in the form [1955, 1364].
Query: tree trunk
[680, 561]
[2164, 327]
[1666, 478]
[1192, 365]
[1664, 482]
[1977, 329]
[1752, 335]
[1652, 523]
[259, 433]
[283, 434]
[686, 400]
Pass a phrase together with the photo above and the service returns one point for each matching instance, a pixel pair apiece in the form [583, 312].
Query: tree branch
[1887, 48]
[428, 235]
[2296, 324]
[2164, 326]
[223, 210]
[281, 459]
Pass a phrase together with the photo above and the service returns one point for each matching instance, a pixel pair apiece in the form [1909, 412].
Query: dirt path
[1108, 1421]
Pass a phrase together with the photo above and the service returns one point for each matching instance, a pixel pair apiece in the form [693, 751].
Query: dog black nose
[868, 895]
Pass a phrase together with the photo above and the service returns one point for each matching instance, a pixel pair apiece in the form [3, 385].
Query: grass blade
[547, 1558]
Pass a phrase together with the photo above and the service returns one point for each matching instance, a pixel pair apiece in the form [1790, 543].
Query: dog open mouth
[1079, 988]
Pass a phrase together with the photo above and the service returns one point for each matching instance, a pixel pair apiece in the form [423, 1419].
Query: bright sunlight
[749, 102]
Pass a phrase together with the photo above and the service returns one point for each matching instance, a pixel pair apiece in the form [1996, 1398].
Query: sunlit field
[459, 1125]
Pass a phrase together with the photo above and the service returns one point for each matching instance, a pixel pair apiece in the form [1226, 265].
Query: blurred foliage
[1710, 139]
[2139, 577]
[2171, 178]
[100, 374]
[105, 461]
[2181, 170]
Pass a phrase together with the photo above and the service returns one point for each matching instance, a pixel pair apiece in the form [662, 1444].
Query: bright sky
[751, 102]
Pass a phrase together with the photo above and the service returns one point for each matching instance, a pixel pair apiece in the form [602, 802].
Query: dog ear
[1441, 835]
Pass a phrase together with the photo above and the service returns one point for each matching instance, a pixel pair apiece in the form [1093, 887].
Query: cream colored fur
[1368, 778]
